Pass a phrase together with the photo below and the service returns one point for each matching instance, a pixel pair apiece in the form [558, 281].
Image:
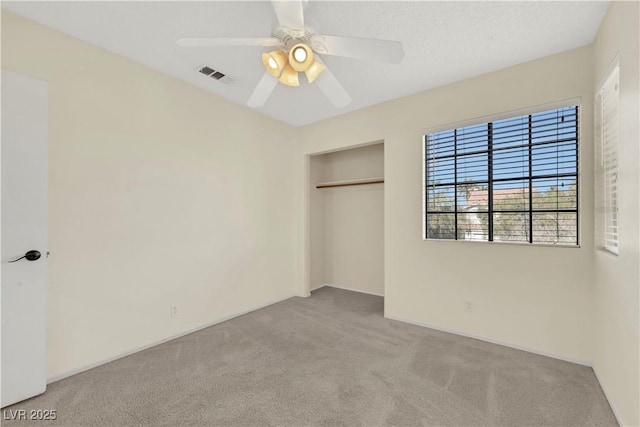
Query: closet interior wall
[347, 222]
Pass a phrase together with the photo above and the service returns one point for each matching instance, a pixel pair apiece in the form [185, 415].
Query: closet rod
[350, 183]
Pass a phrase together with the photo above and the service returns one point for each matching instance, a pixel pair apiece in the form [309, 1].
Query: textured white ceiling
[444, 42]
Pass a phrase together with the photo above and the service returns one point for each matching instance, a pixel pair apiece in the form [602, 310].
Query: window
[511, 180]
[607, 134]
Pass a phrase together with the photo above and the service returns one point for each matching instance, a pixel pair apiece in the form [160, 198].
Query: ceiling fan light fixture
[300, 54]
[289, 77]
[314, 71]
[300, 57]
[274, 62]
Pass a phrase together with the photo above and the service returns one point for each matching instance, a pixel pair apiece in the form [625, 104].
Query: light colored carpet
[330, 359]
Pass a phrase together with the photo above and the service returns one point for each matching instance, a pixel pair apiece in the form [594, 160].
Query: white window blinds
[607, 103]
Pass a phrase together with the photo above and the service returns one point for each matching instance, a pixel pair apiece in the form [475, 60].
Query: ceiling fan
[298, 50]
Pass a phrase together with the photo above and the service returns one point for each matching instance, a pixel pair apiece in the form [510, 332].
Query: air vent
[215, 74]
[207, 71]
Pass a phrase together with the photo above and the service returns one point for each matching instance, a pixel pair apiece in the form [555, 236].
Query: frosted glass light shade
[274, 62]
[300, 57]
[300, 54]
[289, 77]
[314, 71]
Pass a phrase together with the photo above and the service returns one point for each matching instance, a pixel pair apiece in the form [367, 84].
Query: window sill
[537, 245]
[608, 252]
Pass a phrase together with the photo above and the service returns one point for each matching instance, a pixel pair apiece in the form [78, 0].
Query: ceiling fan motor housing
[292, 36]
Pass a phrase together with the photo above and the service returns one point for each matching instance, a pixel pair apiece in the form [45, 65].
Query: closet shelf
[348, 183]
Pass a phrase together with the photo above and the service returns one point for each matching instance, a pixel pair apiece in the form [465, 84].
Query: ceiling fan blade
[332, 88]
[206, 42]
[354, 47]
[262, 92]
[289, 13]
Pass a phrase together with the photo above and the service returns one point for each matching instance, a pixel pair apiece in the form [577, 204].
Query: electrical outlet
[468, 305]
[174, 311]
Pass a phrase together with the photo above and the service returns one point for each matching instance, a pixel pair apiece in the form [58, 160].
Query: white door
[24, 220]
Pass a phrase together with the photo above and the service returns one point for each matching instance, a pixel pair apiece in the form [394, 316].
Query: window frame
[577, 102]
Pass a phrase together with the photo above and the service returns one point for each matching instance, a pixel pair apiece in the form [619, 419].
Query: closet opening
[346, 219]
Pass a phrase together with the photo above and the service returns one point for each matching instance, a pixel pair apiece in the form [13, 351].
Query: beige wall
[617, 278]
[347, 231]
[159, 194]
[529, 296]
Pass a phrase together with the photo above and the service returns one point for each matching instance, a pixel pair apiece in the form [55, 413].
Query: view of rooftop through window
[509, 180]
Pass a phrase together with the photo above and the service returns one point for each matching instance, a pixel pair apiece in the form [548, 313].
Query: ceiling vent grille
[215, 74]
